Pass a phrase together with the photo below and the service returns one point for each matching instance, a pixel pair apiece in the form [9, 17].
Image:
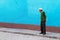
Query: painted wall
[13, 11]
[26, 11]
[51, 7]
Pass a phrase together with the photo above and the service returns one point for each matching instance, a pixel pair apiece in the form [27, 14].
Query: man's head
[40, 9]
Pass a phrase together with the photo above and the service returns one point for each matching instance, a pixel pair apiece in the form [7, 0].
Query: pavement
[24, 34]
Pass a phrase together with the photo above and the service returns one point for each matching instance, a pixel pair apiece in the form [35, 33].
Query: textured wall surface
[51, 7]
[26, 11]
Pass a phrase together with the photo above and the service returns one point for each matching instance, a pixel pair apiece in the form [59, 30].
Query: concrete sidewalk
[30, 32]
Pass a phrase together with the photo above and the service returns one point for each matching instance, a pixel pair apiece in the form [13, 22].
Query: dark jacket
[43, 16]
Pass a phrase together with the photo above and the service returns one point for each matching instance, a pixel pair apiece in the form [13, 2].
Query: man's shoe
[44, 33]
[41, 33]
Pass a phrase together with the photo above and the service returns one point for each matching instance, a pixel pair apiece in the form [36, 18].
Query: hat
[40, 8]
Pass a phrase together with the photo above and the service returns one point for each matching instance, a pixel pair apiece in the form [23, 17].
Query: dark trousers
[43, 27]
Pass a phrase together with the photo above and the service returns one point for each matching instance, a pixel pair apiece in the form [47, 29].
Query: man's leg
[44, 28]
[41, 27]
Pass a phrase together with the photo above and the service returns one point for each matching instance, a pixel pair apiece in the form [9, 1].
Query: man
[43, 21]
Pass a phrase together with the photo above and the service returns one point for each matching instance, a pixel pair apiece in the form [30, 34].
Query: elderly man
[43, 21]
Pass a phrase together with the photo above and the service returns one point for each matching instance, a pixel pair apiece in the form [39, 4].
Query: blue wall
[13, 11]
[26, 11]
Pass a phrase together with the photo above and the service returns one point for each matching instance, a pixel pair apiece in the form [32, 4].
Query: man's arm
[44, 16]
